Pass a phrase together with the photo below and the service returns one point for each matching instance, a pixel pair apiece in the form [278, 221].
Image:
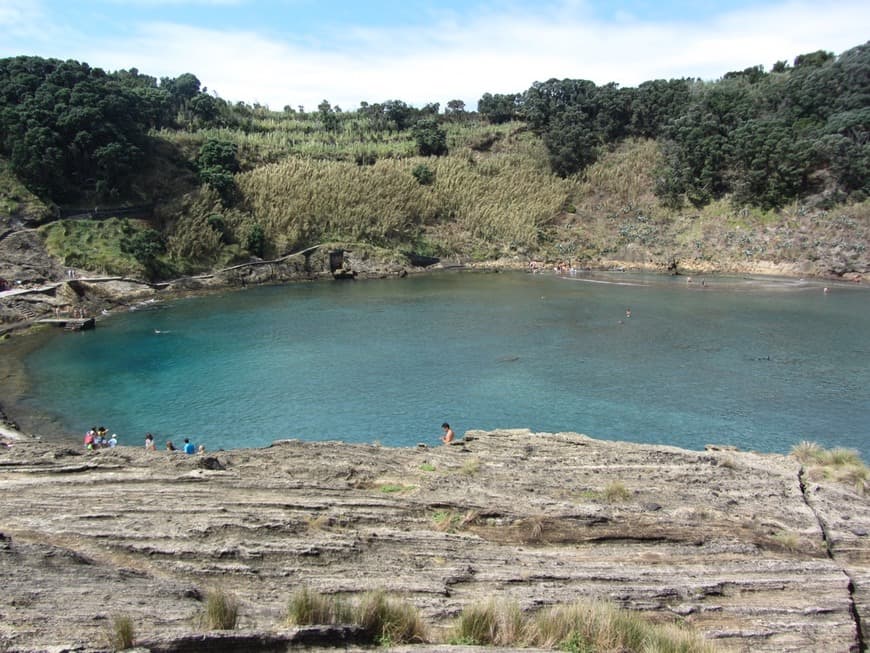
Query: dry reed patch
[494, 623]
[604, 628]
[221, 611]
[307, 608]
[841, 465]
[120, 636]
[389, 621]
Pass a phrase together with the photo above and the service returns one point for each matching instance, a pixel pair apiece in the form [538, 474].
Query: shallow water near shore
[760, 364]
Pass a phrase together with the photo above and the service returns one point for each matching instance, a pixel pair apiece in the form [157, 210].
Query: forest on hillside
[232, 180]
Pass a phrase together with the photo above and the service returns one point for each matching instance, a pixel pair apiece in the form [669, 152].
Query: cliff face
[742, 546]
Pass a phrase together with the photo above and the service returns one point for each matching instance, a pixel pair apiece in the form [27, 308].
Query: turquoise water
[757, 364]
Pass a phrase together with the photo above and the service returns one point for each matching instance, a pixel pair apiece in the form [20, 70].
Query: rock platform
[742, 546]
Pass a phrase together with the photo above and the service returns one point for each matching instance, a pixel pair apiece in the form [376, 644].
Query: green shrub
[423, 174]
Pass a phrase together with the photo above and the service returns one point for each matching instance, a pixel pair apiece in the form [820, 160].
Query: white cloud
[490, 52]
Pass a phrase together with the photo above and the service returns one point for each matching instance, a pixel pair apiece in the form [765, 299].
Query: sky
[301, 52]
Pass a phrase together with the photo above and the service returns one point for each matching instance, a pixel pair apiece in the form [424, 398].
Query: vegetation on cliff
[754, 167]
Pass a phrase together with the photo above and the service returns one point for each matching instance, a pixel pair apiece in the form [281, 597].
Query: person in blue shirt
[189, 446]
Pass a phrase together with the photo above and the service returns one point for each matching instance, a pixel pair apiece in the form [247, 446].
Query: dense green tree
[182, 89]
[218, 163]
[327, 116]
[205, 109]
[813, 59]
[255, 240]
[455, 108]
[499, 108]
[657, 102]
[399, 113]
[548, 101]
[145, 246]
[70, 129]
[431, 138]
[221, 154]
[572, 144]
[770, 164]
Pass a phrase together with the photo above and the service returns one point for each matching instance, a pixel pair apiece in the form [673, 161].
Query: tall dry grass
[605, 628]
[221, 611]
[502, 199]
[493, 623]
[387, 620]
[307, 607]
[390, 621]
[620, 179]
[582, 627]
[839, 464]
[121, 635]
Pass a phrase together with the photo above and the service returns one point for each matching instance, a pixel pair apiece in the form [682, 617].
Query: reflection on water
[761, 364]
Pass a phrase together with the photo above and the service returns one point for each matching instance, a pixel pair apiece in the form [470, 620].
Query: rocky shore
[752, 550]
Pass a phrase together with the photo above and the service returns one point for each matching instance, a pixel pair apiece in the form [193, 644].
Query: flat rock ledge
[742, 546]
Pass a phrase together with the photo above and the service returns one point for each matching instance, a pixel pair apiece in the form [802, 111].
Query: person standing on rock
[149, 442]
[449, 435]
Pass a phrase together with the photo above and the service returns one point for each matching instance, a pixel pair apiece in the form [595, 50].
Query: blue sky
[280, 52]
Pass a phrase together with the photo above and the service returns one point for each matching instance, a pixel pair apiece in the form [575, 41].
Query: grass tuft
[494, 623]
[605, 628]
[392, 488]
[839, 464]
[389, 621]
[121, 635]
[307, 608]
[807, 452]
[445, 520]
[616, 492]
[787, 540]
[470, 467]
[221, 611]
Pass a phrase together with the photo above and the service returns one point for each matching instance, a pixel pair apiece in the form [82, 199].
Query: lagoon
[756, 363]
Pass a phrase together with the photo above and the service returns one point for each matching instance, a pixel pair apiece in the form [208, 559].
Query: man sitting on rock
[448, 436]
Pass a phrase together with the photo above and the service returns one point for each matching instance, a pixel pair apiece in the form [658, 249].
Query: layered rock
[742, 546]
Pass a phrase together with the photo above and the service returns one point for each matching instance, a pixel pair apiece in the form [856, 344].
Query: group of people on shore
[187, 447]
[98, 437]
[562, 267]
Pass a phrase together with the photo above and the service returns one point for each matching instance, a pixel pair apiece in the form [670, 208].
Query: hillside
[756, 172]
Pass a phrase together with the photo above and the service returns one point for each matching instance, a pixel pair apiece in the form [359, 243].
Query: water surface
[757, 364]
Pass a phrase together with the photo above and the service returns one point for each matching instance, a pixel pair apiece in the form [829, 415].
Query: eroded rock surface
[733, 543]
